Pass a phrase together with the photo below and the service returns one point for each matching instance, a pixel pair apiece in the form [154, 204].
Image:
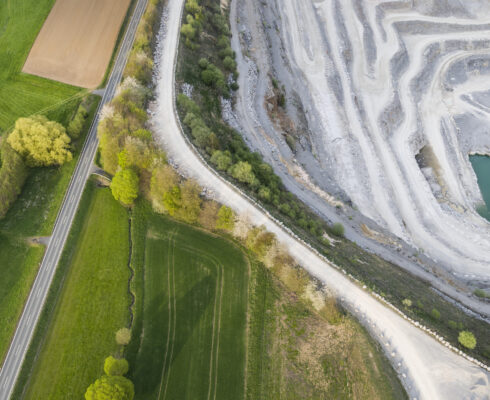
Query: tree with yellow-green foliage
[226, 219]
[115, 366]
[190, 202]
[125, 186]
[40, 141]
[110, 388]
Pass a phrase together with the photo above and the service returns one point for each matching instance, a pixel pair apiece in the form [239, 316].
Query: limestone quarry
[384, 102]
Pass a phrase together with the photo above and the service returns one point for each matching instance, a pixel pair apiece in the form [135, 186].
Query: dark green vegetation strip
[189, 332]
[389, 280]
[89, 306]
[22, 94]
[31, 216]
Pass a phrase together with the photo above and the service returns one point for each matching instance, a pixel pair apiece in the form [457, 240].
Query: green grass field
[194, 316]
[92, 304]
[22, 94]
[188, 283]
[32, 215]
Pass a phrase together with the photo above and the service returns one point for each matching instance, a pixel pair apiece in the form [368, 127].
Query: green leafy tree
[190, 202]
[467, 339]
[242, 171]
[110, 388]
[188, 31]
[172, 200]
[124, 186]
[226, 219]
[115, 366]
[123, 336]
[192, 6]
[40, 141]
[13, 173]
[222, 159]
[229, 63]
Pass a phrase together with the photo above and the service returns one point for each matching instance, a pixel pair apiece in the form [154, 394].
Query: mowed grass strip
[191, 340]
[22, 94]
[92, 305]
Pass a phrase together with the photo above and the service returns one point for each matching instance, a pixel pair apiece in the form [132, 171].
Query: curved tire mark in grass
[170, 241]
[220, 281]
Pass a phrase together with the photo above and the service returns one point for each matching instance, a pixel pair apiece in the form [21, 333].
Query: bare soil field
[75, 43]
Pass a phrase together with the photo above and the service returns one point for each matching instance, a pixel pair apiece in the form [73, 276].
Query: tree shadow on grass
[147, 369]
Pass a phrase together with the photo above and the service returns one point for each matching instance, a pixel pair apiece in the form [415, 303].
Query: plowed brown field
[75, 43]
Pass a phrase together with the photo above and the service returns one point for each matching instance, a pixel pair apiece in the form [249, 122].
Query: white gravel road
[428, 369]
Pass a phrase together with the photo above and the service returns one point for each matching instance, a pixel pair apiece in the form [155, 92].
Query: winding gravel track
[39, 291]
[428, 369]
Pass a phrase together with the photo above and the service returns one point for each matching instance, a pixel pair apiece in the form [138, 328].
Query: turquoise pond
[481, 165]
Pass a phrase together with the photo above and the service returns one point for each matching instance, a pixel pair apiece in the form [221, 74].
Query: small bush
[123, 336]
[338, 229]
[481, 294]
[407, 303]
[435, 314]
[467, 339]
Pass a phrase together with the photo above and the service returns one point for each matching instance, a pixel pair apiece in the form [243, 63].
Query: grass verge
[87, 303]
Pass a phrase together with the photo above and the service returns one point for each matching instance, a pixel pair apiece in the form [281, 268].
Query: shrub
[221, 159]
[338, 229]
[76, 124]
[188, 105]
[467, 339]
[115, 366]
[435, 314]
[110, 387]
[13, 173]
[229, 63]
[407, 303]
[123, 336]
[481, 293]
[226, 219]
[242, 171]
[203, 63]
[452, 324]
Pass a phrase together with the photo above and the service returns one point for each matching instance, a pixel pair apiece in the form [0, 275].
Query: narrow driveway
[32, 310]
[428, 369]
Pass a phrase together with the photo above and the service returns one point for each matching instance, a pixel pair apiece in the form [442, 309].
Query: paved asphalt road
[32, 310]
